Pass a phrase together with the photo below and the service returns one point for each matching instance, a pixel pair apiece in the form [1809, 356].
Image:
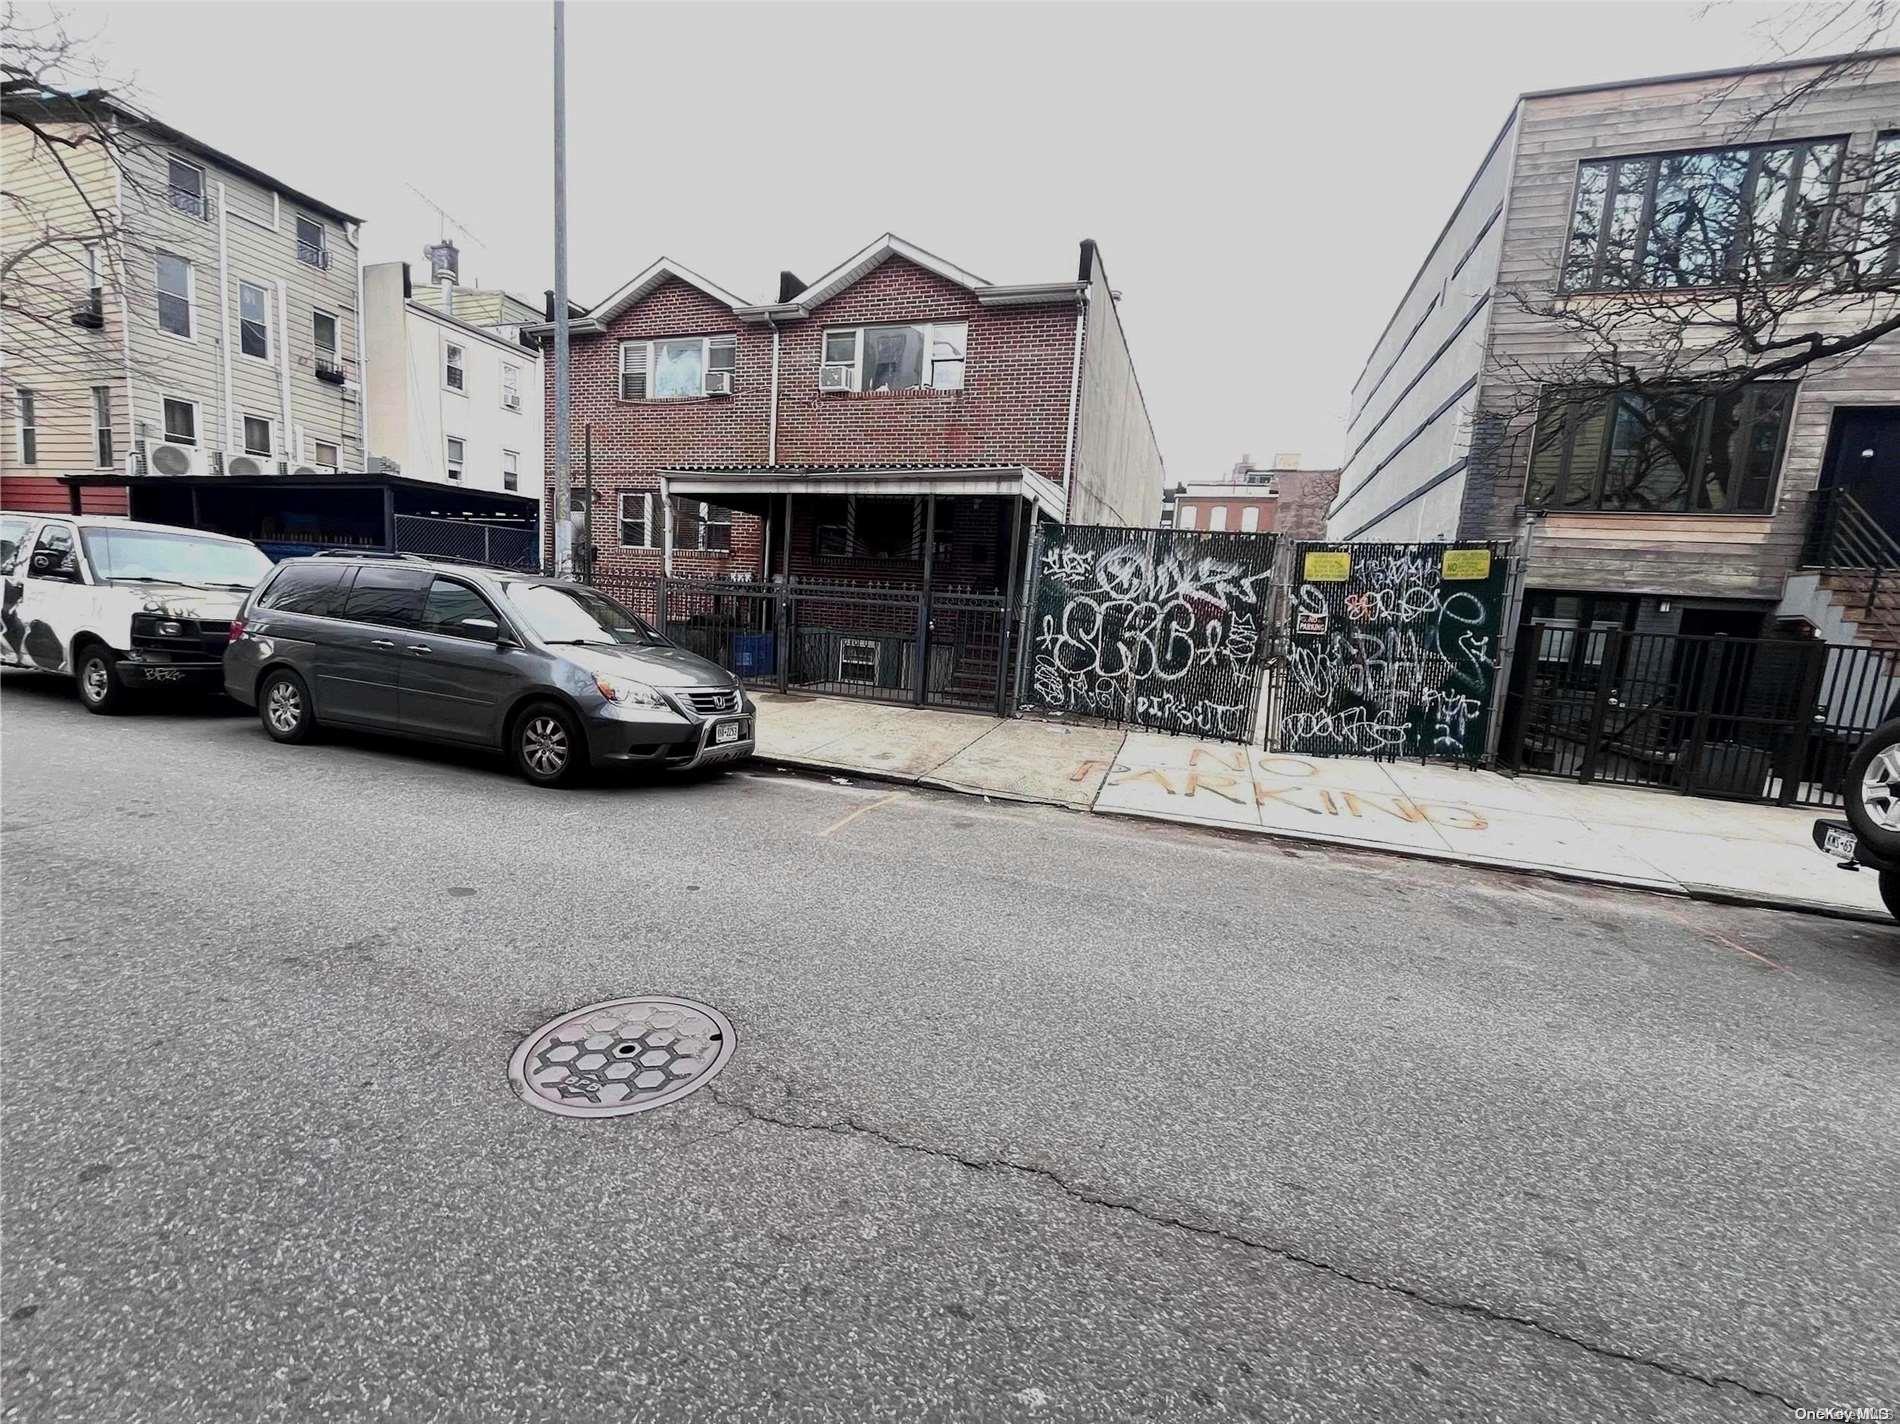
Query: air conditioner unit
[305, 471]
[719, 383]
[834, 378]
[169, 459]
[245, 467]
[513, 402]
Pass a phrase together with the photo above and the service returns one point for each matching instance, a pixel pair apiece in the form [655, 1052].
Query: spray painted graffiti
[1393, 650]
[1157, 628]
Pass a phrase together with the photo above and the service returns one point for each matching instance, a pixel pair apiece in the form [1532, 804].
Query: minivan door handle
[420, 648]
[382, 642]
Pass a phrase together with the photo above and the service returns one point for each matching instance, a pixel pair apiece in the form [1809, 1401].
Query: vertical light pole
[563, 474]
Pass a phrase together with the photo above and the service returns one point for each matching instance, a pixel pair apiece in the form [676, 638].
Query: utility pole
[563, 474]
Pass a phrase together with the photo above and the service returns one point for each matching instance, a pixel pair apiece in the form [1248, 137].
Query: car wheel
[546, 745]
[283, 706]
[100, 686]
[1872, 790]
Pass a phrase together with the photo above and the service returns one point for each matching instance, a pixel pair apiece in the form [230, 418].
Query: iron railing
[1844, 539]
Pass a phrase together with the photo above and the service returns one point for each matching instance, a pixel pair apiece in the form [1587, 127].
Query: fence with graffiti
[1392, 650]
[1157, 628]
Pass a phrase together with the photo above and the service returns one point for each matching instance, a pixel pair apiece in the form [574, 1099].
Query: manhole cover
[623, 1056]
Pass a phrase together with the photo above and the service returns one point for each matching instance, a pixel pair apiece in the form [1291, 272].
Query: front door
[1863, 458]
[54, 602]
[360, 658]
[455, 678]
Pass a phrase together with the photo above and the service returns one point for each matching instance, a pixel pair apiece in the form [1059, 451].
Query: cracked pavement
[1029, 1118]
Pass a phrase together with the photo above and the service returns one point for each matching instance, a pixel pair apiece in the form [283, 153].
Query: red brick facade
[1013, 409]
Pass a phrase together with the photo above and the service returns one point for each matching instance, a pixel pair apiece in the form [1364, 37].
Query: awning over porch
[737, 484]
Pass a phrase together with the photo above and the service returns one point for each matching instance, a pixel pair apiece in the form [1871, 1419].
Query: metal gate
[1756, 719]
[1392, 650]
[1159, 628]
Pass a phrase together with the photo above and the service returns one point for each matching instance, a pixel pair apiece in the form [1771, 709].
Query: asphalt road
[1033, 1115]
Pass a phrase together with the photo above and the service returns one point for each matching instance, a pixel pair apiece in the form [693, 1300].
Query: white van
[118, 604]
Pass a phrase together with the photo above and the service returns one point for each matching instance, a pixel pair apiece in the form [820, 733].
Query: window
[257, 439]
[186, 187]
[181, 421]
[254, 320]
[510, 470]
[511, 387]
[702, 526]
[634, 512]
[1701, 218]
[674, 369]
[12, 534]
[1185, 519]
[323, 335]
[310, 589]
[174, 295]
[328, 454]
[1878, 250]
[857, 660]
[1677, 451]
[1217, 517]
[448, 603]
[388, 597]
[456, 451]
[53, 554]
[870, 527]
[312, 246]
[453, 375]
[27, 425]
[1250, 519]
[928, 355]
[102, 426]
[95, 288]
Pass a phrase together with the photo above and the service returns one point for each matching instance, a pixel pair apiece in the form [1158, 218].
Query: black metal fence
[1758, 719]
[898, 643]
[1159, 628]
[503, 546]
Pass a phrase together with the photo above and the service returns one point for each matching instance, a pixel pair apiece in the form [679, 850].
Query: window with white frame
[857, 660]
[676, 368]
[701, 526]
[181, 421]
[327, 453]
[185, 187]
[1250, 519]
[453, 374]
[1185, 518]
[456, 451]
[102, 426]
[312, 244]
[510, 387]
[95, 287]
[257, 435]
[324, 336]
[26, 424]
[635, 512]
[254, 320]
[510, 470]
[1217, 517]
[174, 287]
[918, 356]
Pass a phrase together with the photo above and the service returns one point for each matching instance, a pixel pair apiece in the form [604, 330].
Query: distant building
[1281, 498]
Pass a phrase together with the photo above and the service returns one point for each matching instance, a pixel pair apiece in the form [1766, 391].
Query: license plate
[1841, 843]
[727, 732]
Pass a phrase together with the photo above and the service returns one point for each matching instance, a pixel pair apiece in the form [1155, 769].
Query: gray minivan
[557, 675]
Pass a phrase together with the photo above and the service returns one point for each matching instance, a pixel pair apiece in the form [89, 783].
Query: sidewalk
[1650, 840]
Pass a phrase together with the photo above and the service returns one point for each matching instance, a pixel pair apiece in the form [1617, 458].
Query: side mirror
[486, 629]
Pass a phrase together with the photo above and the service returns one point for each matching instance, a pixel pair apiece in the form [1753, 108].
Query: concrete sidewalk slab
[1768, 869]
[1350, 801]
[1033, 761]
[1522, 840]
[903, 743]
[1180, 780]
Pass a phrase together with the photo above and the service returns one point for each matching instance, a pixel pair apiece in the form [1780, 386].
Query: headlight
[170, 629]
[623, 692]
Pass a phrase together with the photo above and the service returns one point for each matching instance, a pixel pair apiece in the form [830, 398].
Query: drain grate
[622, 1056]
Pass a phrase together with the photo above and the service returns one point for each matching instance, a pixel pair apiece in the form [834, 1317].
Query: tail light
[237, 630]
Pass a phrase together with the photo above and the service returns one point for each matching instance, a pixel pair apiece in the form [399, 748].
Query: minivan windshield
[157, 556]
[563, 613]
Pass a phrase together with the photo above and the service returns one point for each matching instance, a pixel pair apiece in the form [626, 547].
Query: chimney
[789, 286]
[547, 303]
[445, 265]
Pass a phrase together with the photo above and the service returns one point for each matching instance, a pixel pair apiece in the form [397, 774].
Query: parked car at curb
[120, 605]
[556, 675]
[1870, 795]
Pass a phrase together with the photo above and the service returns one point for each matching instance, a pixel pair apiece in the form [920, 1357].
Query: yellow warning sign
[1467, 564]
[1323, 567]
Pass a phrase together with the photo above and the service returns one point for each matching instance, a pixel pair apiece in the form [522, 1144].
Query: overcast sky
[1263, 179]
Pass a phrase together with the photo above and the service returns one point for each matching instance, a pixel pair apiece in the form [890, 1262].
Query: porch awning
[716, 482]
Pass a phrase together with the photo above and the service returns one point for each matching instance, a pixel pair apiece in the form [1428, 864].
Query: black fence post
[1524, 650]
[659, 605]
[922, 689]
[1690, 765]
[1807, 715]
[787, 620]
[1610, 670]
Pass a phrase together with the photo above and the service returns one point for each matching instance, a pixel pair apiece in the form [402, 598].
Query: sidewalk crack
[848, 1126]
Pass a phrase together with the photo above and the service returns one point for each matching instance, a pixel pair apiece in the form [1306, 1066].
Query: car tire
[283, 706]
[1890, 891]
[545, 745]
[1871, 790]
[101, 688]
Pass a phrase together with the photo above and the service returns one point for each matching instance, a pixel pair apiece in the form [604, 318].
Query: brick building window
[919, 356]
[1675, 451]
[1185, 519]
[635, 510]
[677, 368]
[870, 527]
[702, 526]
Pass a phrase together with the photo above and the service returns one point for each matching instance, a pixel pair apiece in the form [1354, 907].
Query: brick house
[898, 421]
